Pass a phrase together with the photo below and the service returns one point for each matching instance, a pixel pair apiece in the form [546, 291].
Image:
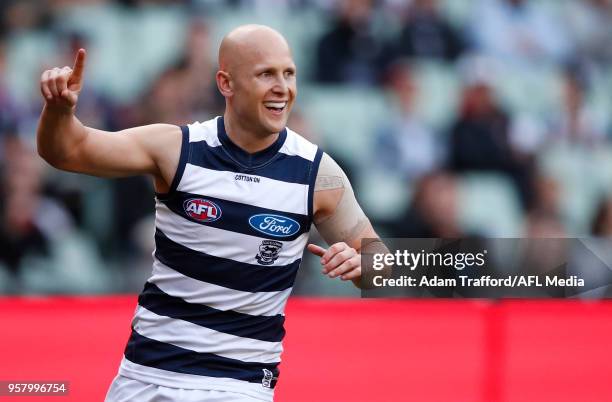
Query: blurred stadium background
[451, 117]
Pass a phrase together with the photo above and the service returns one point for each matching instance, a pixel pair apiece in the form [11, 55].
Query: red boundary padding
[348, 350]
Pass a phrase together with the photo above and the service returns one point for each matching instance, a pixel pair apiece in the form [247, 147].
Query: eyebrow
[264, 69]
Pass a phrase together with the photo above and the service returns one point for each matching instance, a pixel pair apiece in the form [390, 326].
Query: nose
[280, 86]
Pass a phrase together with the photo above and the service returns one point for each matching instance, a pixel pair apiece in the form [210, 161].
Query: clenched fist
[61, 86]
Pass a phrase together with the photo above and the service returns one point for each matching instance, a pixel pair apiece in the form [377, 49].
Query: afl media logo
[202, 210]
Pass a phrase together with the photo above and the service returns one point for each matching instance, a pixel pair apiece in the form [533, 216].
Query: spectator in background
[547, 196]
[23, 15]
[204, 98]
[350, 52]
[300, 124]
[19, 233]
[602, 221]
[548, 252]
[519, 31]
[426, 34]
[576, 122]
[479, 138]
[167, 99]
[186, 89]
[29, 221]
[433, 211]
[8, 110]
[543, 219]
[410, 147]
[589, 23]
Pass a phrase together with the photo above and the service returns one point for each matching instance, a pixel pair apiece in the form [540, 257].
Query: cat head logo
[268, 252]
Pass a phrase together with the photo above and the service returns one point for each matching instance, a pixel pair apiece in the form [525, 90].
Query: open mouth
[275, 107]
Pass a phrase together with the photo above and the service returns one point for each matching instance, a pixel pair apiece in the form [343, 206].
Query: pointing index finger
[79, 65]
[316, 250]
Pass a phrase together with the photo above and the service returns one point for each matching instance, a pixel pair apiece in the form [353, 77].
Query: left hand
[339, 260]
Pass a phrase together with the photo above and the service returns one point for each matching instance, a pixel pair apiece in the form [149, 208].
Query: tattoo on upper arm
[328, 183]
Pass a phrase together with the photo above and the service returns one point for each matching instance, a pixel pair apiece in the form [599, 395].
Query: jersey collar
[242, 157]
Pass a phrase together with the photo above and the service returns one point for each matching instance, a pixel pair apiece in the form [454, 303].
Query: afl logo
[274, 225]
[202, 210]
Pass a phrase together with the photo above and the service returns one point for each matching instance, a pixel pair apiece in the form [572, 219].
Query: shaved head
[257, 77]
[246, 42]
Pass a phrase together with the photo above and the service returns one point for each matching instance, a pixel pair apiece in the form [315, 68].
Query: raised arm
[65, 143]
[342, 224]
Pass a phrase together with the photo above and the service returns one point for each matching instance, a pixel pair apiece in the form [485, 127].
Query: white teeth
[277, 105]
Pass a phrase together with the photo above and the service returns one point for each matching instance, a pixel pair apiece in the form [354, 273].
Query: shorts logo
[268, 252]
[267, 379]
[274, 225]
[202, 210]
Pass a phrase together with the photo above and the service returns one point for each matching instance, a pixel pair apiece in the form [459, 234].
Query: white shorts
[125, 389]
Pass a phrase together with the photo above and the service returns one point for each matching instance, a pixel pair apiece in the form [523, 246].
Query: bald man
[235, 198]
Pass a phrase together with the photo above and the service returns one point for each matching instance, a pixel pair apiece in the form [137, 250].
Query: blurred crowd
[451, 117]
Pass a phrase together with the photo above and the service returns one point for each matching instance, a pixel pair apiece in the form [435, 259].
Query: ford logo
[274, 225]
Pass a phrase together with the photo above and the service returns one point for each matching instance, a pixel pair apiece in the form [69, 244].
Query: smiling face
[258, 79]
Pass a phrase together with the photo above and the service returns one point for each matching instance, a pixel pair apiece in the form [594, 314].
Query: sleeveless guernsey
[229, 240]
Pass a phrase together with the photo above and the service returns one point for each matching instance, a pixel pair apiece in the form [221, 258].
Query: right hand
[61, 86]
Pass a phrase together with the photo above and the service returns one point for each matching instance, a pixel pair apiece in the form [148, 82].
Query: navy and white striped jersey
[229, 240]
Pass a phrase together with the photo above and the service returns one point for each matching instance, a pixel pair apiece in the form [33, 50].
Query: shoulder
[296, 145]
[330, 175]
[203, 131]
[154, 137]
[331, 185]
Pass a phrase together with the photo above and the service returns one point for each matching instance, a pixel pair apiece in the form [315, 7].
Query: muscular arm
[65, 143]
[339, 218]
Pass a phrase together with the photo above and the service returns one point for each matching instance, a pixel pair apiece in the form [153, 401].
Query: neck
[246, 139]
